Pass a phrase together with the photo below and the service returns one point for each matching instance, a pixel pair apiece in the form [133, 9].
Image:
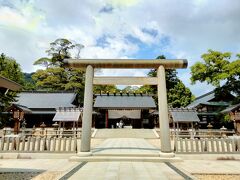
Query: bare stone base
[84, 154]
[123, 158]
[167, 155]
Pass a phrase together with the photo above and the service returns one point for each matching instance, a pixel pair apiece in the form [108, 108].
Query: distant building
[234, 113]
[6, 85]
[44, 105]
[209, 107]
[132, 109]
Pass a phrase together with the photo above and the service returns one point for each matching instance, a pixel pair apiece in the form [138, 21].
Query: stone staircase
[126, 133]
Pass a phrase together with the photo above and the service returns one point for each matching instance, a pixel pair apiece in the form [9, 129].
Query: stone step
[123, 158]
[127, 154]
[125, 133]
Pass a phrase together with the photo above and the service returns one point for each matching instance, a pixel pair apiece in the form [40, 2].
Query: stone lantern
[223, 131]
[42, 126]
[210, 126]
[18, 112]
[55, 126]
[17, 117]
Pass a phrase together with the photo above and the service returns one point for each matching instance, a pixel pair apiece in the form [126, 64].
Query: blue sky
[121, 29]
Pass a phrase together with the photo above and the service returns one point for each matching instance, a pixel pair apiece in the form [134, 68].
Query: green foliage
[58, 51]
[226, 118]
[218, 71]
[10, 69]
[178, 95]
[97, 89]
[45, 62]
[29, 83]
[55, 76]
[51, 78]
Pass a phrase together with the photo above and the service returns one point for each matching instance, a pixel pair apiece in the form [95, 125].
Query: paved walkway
[131, 146]
[124, 132]
[125, 171]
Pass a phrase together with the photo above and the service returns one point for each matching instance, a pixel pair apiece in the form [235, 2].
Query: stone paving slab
[125, 170]
[125, 145]
[126, 133]
[209, 166]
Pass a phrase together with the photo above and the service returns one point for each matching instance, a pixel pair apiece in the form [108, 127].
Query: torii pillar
[163, 114]
[160, 81]
[87, 111]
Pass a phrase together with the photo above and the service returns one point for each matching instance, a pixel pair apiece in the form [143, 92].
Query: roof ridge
[39, 92]
[130, 94]
[206, 94]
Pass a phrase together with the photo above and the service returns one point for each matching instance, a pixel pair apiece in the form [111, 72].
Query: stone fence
[229, 144]
[39, 144]
[42, 132]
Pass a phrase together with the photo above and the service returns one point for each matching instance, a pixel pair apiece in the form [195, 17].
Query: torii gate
[160, 81]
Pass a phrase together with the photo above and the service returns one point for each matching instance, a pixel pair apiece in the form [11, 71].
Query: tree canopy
[10, 69]
[29, 82]
[178, 94]
[105, 89]
[54, 76]
[218, 70]
[58, 51]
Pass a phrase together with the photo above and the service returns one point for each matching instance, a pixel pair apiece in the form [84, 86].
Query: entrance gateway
[160, 81]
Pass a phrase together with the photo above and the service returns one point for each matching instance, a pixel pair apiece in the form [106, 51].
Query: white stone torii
[160, 81]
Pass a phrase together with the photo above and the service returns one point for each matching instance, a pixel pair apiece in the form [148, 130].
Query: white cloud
[192, 27]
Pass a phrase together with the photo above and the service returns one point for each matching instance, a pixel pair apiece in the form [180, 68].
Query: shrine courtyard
[142, 164]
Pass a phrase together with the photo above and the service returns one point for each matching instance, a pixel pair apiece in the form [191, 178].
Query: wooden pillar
[16, 126]
[106, 119]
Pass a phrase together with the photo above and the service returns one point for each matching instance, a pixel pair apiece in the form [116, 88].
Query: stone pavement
[47, 168]
[132, 146]
[125, 132]
[125, 171]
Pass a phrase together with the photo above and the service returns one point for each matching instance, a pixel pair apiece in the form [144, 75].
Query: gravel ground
[49, 175]
[18, 175]
[217, 176]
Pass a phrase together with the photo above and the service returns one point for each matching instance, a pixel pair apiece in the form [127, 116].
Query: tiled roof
[9, 84]
[46, 99]
[68, 115]
[231, 108]
[219, 103]
[184, 115]
[124, 102]
[202, 99]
